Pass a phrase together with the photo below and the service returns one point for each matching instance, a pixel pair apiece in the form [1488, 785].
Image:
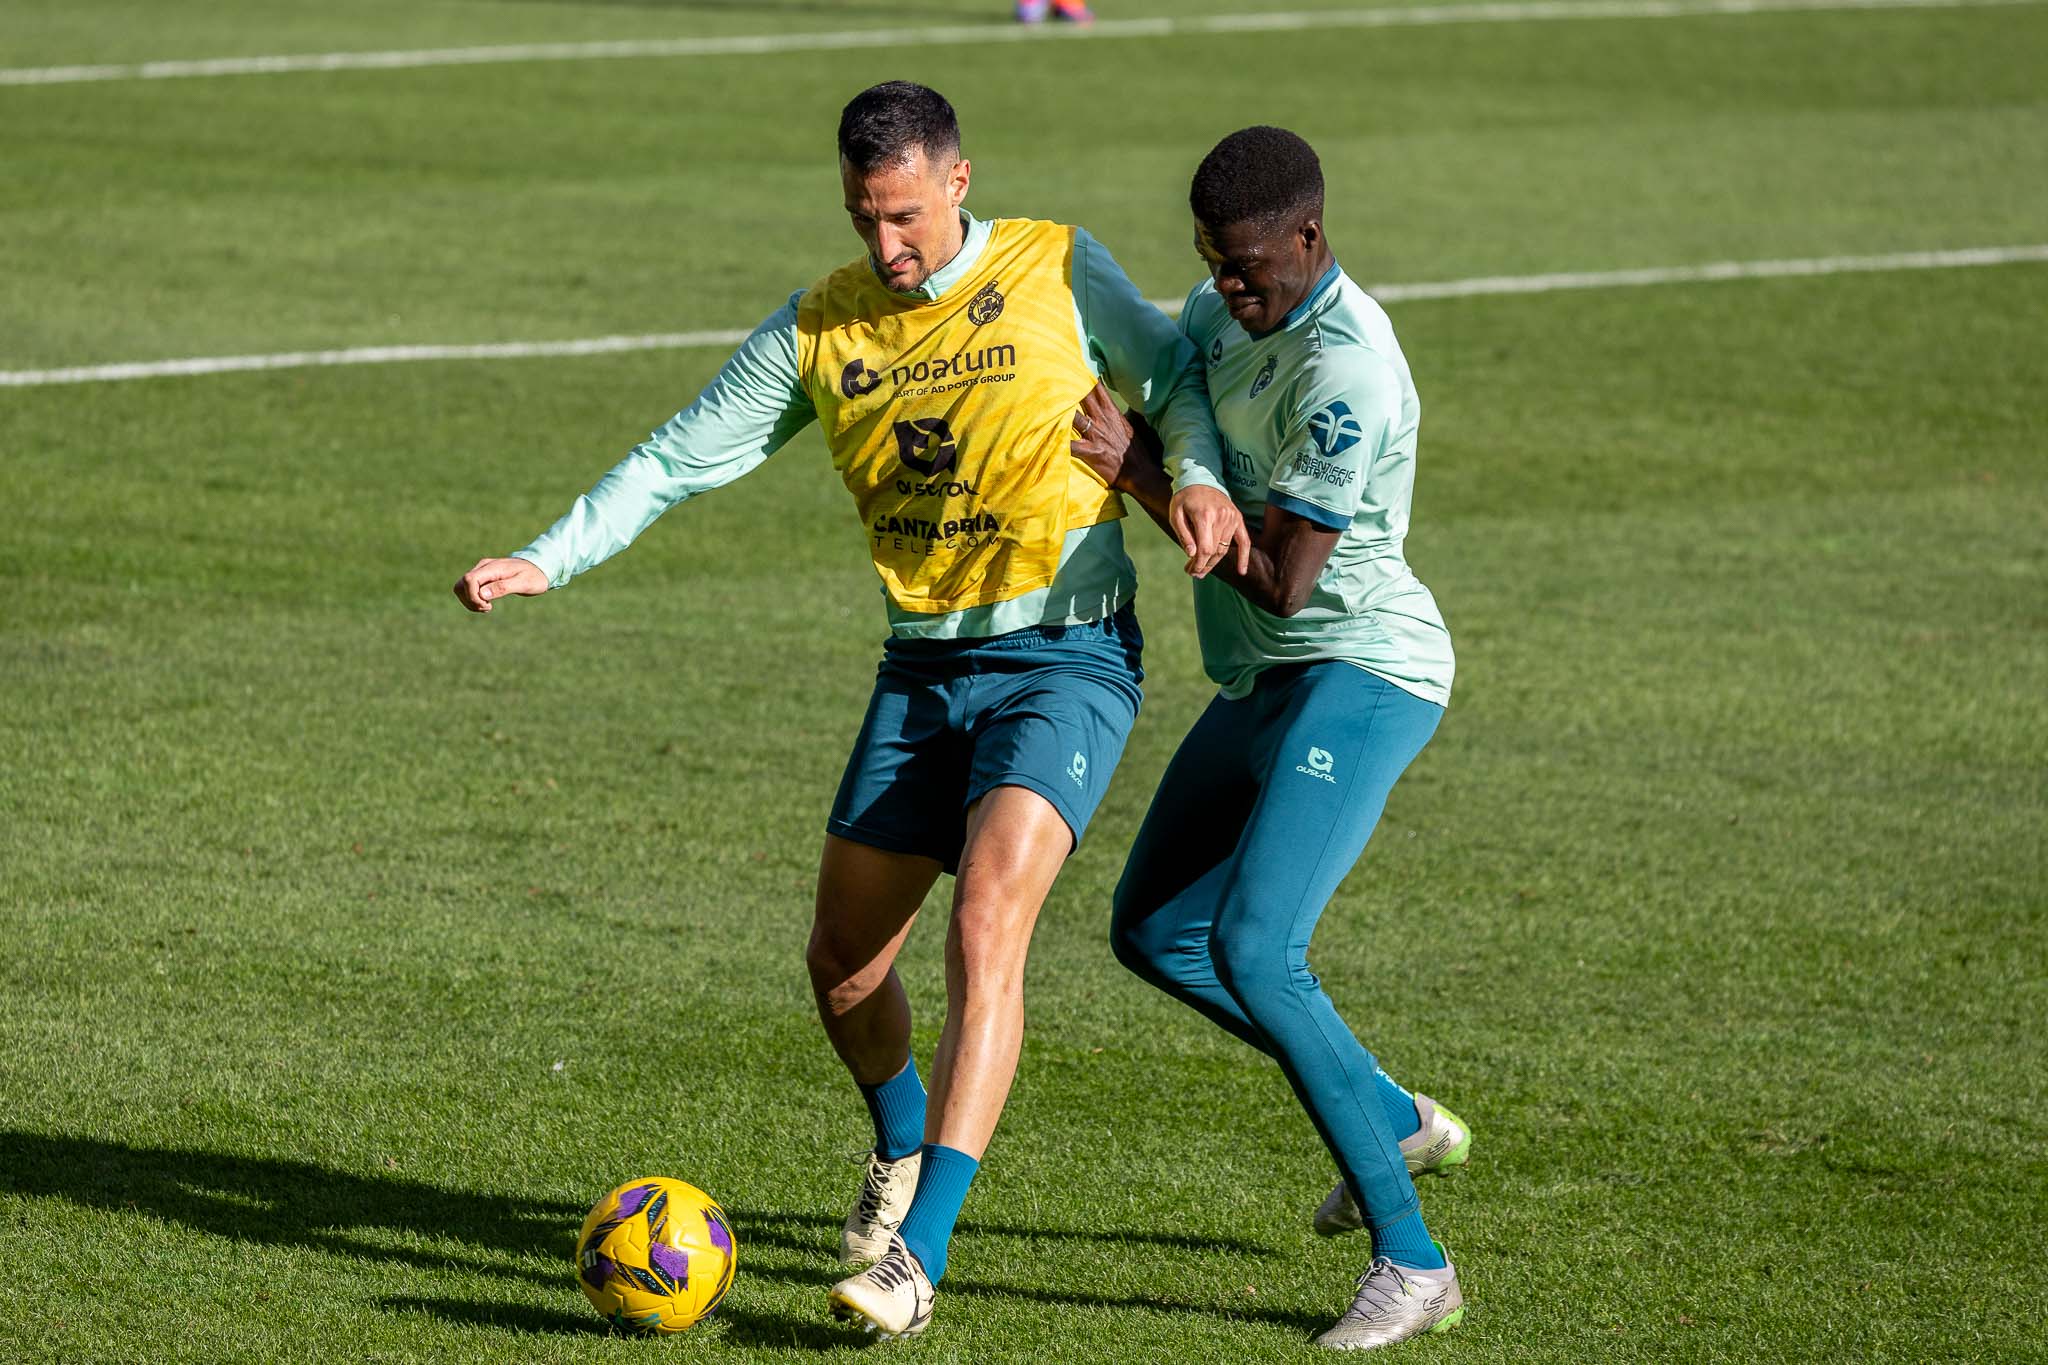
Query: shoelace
[891, 1271]
[1371, 1285]
[874, 1188]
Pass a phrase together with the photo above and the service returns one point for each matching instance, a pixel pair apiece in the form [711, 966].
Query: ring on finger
[1084, 424]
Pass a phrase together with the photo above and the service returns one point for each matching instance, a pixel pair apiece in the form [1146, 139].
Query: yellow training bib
[950, 420]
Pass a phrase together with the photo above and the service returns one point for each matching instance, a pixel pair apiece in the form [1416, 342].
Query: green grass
[353, 945]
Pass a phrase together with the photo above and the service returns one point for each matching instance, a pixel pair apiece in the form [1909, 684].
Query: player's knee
[1137, 942]
[1134, 932]
[1260, 975]
[991, 935]
[835, 966]
[1134, 948]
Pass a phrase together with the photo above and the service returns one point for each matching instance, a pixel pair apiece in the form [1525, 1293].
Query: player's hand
[492, 579]
[1102, 437]
[1208, 526]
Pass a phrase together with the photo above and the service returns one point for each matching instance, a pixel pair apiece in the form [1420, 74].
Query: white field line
[1387, 293]
[1299, 21]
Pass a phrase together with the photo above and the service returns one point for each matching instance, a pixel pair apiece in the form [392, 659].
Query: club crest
[986, 306]
[1265, 376]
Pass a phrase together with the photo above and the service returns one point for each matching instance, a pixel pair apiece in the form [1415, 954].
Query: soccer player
[945, 367]
[1334, 666]
[1066, 11]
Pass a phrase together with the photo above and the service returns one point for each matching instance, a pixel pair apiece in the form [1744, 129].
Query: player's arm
[1279, 566]
[747, 413]
[1145, 358]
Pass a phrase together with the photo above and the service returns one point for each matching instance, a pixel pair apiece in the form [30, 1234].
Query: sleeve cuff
[1307, 511]
[533, 554]
[1194, 475]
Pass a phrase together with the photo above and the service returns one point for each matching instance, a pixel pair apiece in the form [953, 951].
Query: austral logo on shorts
[926, 444]
[1320, 764]
[986, 306]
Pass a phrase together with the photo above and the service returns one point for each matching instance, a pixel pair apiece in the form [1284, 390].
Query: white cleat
[1395, 1303]
[890, 1299]
[885, 1194]
[1439, 1147]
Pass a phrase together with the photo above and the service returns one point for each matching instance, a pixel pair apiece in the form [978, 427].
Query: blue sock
[1406, 1243]
[897, 1105]
[1398, 1104]
[942, 1183]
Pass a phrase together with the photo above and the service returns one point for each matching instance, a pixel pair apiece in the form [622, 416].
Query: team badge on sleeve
[1335, 430]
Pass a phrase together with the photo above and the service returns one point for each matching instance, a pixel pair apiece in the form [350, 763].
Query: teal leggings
[1266, 806]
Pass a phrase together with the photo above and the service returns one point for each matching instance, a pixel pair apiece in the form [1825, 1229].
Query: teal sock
[1406, 1243]
[942, 1182]
[1398, 1105]
[897, 1106]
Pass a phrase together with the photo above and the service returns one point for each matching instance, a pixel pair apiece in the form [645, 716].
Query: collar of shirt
[973, 241]
[1308, 305]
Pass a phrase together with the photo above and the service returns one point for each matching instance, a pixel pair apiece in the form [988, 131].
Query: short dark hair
[1257, 175]
[885, 123]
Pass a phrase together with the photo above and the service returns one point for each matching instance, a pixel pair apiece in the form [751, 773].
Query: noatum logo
[857, 380]
[952, 367]
[925, 444]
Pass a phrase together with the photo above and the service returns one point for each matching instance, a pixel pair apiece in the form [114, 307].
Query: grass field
[353, 945]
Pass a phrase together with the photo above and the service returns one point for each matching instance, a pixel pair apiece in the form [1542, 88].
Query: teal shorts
[1047, 708]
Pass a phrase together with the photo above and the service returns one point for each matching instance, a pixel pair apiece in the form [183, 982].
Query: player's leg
[894, 825]
[1438, 1143]
[867, 900]
[1167, 902]
[1048, 715]
[1335, 741]
[1336, 738]
[1173, 881]
[1016, 843]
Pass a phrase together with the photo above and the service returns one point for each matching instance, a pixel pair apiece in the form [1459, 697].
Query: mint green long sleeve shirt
[757, 403]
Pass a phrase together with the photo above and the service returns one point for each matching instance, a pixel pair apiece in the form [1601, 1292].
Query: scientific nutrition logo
[1335, 430]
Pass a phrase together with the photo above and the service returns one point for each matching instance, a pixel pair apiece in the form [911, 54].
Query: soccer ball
[655, 1255]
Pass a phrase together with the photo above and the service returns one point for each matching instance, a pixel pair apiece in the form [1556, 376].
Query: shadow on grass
[776, 1228]
[503, 1317]
[276, 1202]
[964, 1286]
[736, 1325]
[818, 1234]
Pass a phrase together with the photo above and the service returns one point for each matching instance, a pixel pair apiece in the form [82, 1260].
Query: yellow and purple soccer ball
[655, 1255]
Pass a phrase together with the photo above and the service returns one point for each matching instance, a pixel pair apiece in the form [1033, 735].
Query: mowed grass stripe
[953, 35]
[1712, 272]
